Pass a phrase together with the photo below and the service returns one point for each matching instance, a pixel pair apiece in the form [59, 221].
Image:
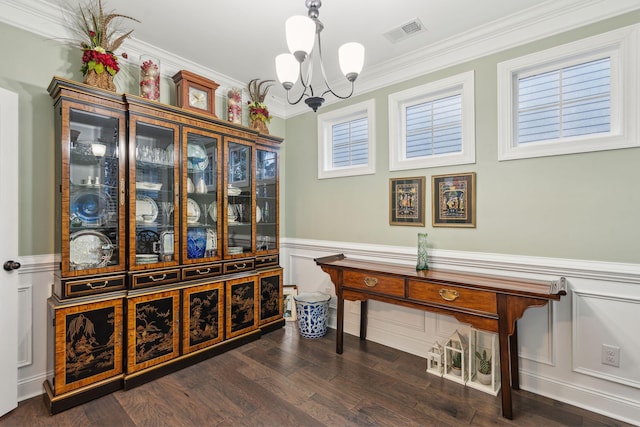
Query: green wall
[27, 66]
[580, 206]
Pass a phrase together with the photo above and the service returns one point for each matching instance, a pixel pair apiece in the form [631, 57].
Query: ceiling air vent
[405, 31]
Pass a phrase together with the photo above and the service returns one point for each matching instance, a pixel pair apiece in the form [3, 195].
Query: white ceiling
[234, 41]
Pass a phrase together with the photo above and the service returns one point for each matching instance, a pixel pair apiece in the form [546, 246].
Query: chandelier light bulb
[287, 69]
[300, 31]
[351, 57]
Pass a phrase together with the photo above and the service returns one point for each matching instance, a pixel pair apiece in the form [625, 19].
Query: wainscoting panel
[534, 345]
[25, 326]
[559, 345]
[35, 279]
[599, 319]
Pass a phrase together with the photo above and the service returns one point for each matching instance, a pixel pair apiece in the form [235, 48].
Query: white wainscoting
[559, 344]
[35, 279]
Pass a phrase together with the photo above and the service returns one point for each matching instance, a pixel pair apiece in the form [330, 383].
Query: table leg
[340, 323]
[513, 350]
[364, 308]
[505, 371]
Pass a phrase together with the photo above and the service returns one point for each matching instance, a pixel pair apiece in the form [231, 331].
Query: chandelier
[302, 32]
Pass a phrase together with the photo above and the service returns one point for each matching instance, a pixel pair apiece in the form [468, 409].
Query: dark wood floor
[285, 380]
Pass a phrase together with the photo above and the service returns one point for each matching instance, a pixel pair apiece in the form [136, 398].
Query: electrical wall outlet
[611, 355]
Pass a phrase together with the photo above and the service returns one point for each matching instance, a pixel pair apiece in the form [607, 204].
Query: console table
[490, 303]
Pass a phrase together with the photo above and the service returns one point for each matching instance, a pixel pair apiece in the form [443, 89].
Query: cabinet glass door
[201, 204]
[239, 200]
[266, 201]
[153, 193]
[92, 182]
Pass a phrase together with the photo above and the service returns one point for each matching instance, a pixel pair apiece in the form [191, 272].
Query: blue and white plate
[197, 157]
[196, 242]
[91, 207]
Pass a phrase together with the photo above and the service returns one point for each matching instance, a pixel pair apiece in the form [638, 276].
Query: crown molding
[549, 18]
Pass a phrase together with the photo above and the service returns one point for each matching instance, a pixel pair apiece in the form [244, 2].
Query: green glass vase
[422, 252]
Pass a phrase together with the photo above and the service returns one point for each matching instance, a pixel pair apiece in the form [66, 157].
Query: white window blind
[563, 103]
[578, 97]
[346, 141]
[434, 127]
[350, 146]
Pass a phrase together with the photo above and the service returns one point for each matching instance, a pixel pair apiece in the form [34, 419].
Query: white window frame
[325, 123]
[621, 46]
[460, 84]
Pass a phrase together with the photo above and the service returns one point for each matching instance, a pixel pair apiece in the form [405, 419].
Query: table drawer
[453, 296]
[377, 283]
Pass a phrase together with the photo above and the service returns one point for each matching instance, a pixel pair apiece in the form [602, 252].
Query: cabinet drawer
[154, 278]
[453, 296]
[266, 261]
[201, 271]
[239, 265]
[93, 286]
[378, 283]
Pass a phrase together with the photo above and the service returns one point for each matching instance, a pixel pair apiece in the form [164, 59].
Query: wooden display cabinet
[202, 316]
[241, 305]
[163, 215]
[271, 300]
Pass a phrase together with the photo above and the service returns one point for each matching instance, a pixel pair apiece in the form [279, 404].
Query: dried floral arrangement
[258, 90]
[100, 36]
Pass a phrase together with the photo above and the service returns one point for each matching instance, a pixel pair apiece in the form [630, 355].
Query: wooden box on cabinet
[241, 305]
[202, 316]
[152, 325]
[270, 296]
[87, 339]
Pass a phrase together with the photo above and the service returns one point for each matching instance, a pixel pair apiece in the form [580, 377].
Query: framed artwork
[289, 309]
[407, 201]
[454, 200]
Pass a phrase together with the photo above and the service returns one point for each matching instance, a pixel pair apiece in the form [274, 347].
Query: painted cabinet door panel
[202, 316]
[241, 305]
[153, 334]
[271, 304]
[88, 343]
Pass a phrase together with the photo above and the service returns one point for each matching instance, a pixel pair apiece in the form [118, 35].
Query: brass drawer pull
[449, 295]
[370, 281]
[203, 271]
[240, 266]
[92, 286]
[157, 279]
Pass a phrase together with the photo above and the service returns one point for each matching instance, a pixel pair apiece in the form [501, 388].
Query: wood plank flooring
[286, 380]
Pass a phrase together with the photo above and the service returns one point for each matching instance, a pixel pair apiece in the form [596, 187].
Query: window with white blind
[574, 98]
[433, 125]
[346, 141]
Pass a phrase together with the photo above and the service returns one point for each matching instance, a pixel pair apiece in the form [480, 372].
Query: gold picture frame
[289, 302]
[454, 200]
[407, 201]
